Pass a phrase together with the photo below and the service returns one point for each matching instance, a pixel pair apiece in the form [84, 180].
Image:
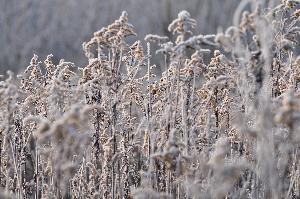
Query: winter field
[169, 109]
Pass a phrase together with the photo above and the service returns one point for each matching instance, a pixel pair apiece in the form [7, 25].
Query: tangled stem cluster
[223, 128]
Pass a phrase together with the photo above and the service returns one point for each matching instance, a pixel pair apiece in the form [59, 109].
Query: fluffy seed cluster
[221, 120]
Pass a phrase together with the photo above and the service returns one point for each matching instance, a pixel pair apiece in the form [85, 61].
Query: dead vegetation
[227, 128]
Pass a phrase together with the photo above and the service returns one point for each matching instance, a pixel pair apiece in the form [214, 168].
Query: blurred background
[59, 27]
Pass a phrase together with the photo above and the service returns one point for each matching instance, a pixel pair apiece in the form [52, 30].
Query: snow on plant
[226, 127]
